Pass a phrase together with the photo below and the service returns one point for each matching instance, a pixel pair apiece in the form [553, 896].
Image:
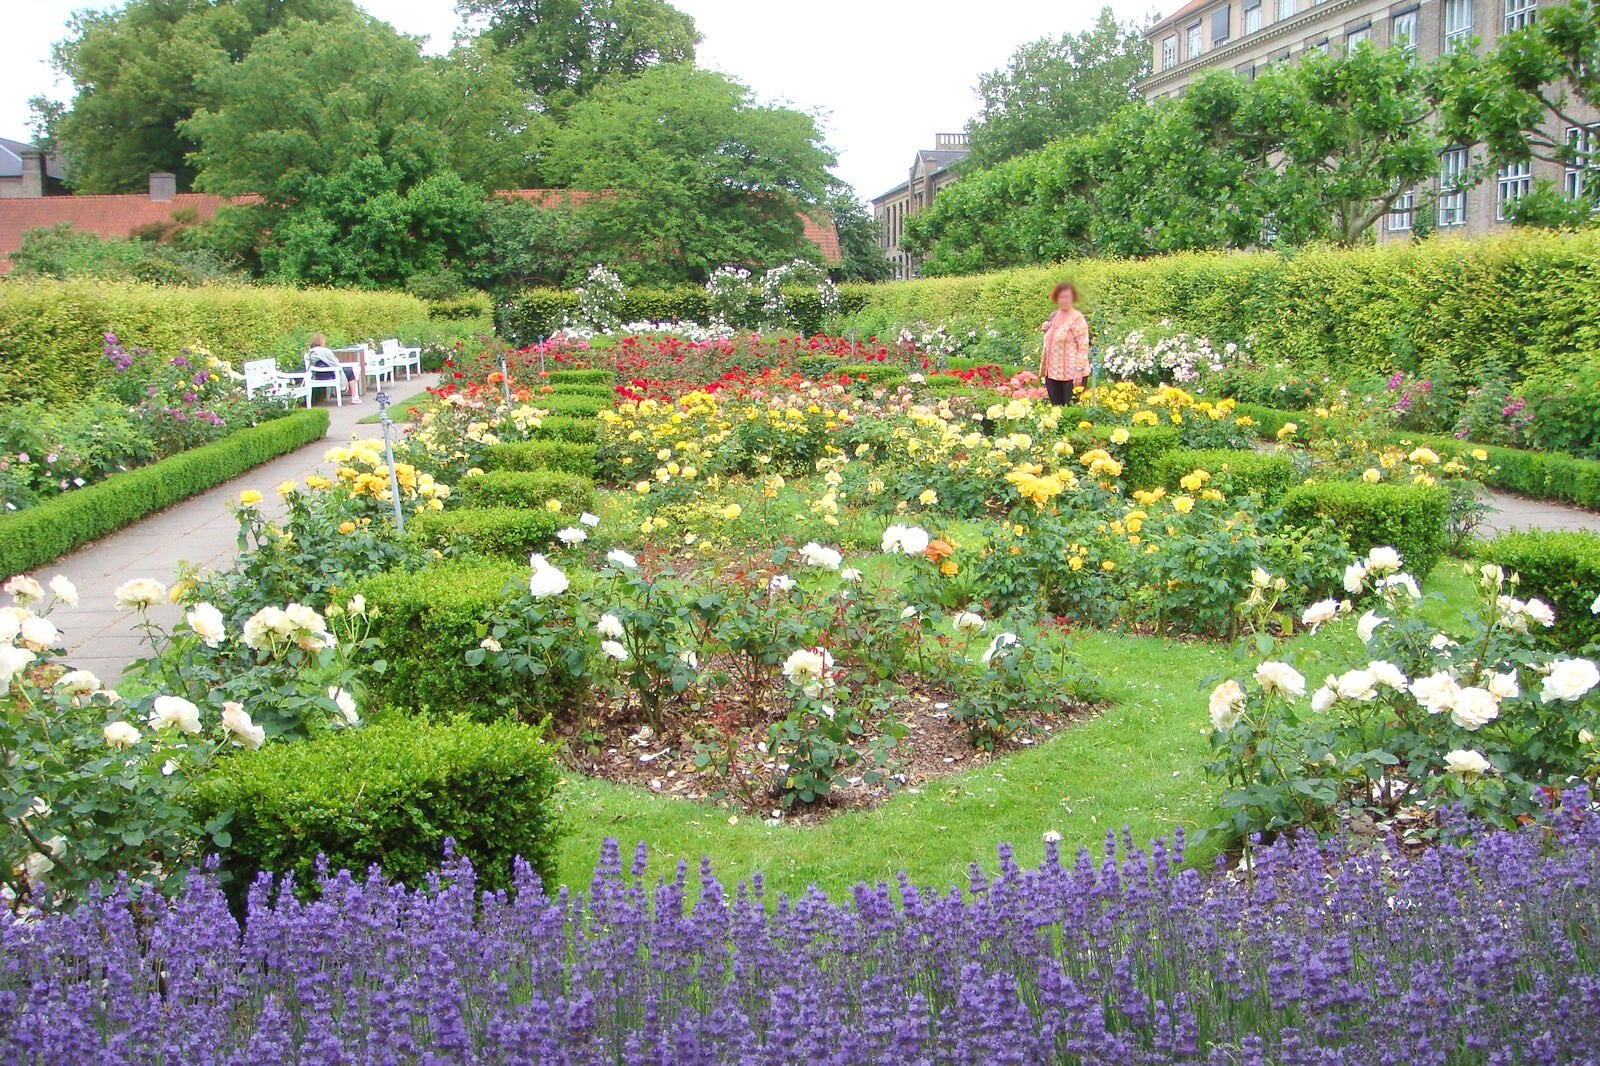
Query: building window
[1403, 31]
[1355, 36]
[1453, 163]
[1584, 141]
[1514, 182]
[1457, 21]
[1252, 16]
[1221, 26]
[1287, 8]
[1320, 48]
[1520, 14]
[1193, 43]
[1169, 52]
[1400, 214]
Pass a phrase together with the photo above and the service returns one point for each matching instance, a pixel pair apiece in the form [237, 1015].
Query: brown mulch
[618, 747]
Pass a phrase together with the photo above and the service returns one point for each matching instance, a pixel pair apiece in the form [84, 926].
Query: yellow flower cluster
[1166, 403]
[361, 469]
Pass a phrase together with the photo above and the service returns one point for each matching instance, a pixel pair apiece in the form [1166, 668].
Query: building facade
[27, 171]
[1249, 36]
[930, 172]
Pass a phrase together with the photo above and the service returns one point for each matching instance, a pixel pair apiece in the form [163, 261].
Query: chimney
[163, 185]
[32, 173]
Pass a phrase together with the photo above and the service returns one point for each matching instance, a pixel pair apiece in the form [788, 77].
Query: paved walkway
[200, 532]
[1517, 512]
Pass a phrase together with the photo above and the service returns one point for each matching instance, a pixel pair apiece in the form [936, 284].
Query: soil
[616, 747]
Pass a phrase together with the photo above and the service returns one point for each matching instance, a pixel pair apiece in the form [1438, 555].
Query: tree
[336, 127]
[533, 244]
[695, 173]
[563, 50]
[138, 73]
[859, 236]
[1056, 88]
[1521, 99]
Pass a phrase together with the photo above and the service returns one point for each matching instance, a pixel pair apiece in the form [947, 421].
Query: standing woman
[1065, 366]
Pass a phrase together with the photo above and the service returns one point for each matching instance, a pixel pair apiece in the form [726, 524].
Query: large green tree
[138, 73]
[564, 49]
[860, 252]
[343, 130]
[1057, 87]
[695, 173]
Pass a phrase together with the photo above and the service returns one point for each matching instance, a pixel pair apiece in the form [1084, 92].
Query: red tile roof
[105, 216]
[1189, 8]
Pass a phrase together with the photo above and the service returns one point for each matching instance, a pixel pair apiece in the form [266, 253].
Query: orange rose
[939, 549]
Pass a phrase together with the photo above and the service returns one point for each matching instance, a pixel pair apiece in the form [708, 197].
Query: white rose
[1491, 575]
[39, 633]
[1440, 642]
[64, 590]
[140, 593]
[1504, 686]
[170, 711]
[909, 611]
[814, 554]
[968, 622]
[206, 621]
[1436, 692]
[1540, 611]
[1320, 613]
[1368, 625]
[905, 540]
[1467, 764]
[1259, 578]
[618, 557]
[1325, 697]
[238, 724]
[689, 658]
[1383, 560]
[1227, 700]
[572, 535]
[614, 650]
[1358, 685]
[24, 589]
[850, 573]
[490, 644]
[345, 702]
[13, 661]
[1395, 585]
[1387, 674]
[357, 604]
[1355, 578]
[78, 683]
[262, 627]
[1569, 679]
[10, 625]
[546, 580]
[780, 583]
[609, 626]
[1474, 708]
[1004, 640]
[120, 735]
[808, 669]
[1594, 608]
[1280, 677]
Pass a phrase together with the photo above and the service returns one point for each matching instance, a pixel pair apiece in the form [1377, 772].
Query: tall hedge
[533, 314]
[52, 333]
[1531, 299]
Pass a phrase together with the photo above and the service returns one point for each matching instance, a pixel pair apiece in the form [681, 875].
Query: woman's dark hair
[1065, 286]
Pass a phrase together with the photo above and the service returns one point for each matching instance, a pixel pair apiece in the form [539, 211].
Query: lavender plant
[1478, 950]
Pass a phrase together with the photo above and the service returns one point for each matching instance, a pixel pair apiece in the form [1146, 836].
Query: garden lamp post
[388, 457]
[505, 377]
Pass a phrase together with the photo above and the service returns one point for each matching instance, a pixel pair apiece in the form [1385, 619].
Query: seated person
[323, 364]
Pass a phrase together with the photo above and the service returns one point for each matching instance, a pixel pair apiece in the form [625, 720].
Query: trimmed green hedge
[1269, 420]
[530, 489]
[388, 795]
[567, 428]
[559, 403]
[40, 534]
[608, 393]
[566, 456]
[1377, 308]
[1560, 567]
[499, 532]
[1266, 476]
[1408, 518]
[52, 333]
[430, 619]
[582, 377]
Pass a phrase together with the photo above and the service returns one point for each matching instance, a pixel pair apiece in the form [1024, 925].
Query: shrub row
[534, 314]
[1408, 518]
[529, 489]
[38, 535]
[1560, 567]
[1264, 476]
[568, 428]
[388, 795]
[429, 620]
[1379, 308]
[565, 456]
[583, 377]
[496, 532]
[566, 403]
[52, 333]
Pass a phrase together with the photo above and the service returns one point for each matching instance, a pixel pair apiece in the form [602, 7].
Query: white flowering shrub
[798, 273]
[731, 296]
[1154, 357]
[600, 300]
[1480, 716]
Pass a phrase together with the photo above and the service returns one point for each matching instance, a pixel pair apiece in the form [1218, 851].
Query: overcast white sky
[883, 75]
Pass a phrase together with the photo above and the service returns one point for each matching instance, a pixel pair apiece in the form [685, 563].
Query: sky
[882, 76]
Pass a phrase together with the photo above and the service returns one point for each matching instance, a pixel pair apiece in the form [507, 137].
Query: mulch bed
[616, 747]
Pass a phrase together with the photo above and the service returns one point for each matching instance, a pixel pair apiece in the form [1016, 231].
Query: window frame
[1519, 14]
[1577, 174]
[1169, 58]
[1453, 163]
[1462, 31]
[1412, 41]
[1195, 40]
[1405, 207]
[1512, 182]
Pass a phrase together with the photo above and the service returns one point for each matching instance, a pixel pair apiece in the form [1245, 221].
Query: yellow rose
[1119, 435]
[1183, 504]
[347, 527]
[249, 498]
[553, 506]
[928, 498]
[1480, 454]
[732, 511]
[1372, 475]
[1108, 566]
[287, 487]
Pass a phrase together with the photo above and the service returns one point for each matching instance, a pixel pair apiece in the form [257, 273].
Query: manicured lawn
[1140, 764]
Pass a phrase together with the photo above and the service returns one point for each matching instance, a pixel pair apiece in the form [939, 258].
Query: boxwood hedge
[1561, 567]
[565, 456]
[1264, 476]
[529, 489]
[1408, 518]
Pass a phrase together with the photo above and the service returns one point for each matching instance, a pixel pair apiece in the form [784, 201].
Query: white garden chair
[407, 359]
[263, 376]
[378, 366]
[326, 371]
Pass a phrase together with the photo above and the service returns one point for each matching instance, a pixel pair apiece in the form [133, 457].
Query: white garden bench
[407, 359]
[377, 366]
[263, 376]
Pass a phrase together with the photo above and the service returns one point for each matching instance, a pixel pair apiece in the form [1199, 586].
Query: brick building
[930, 172]
[1248, 36]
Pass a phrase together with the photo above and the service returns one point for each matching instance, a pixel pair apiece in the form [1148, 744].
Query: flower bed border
[46, 532]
